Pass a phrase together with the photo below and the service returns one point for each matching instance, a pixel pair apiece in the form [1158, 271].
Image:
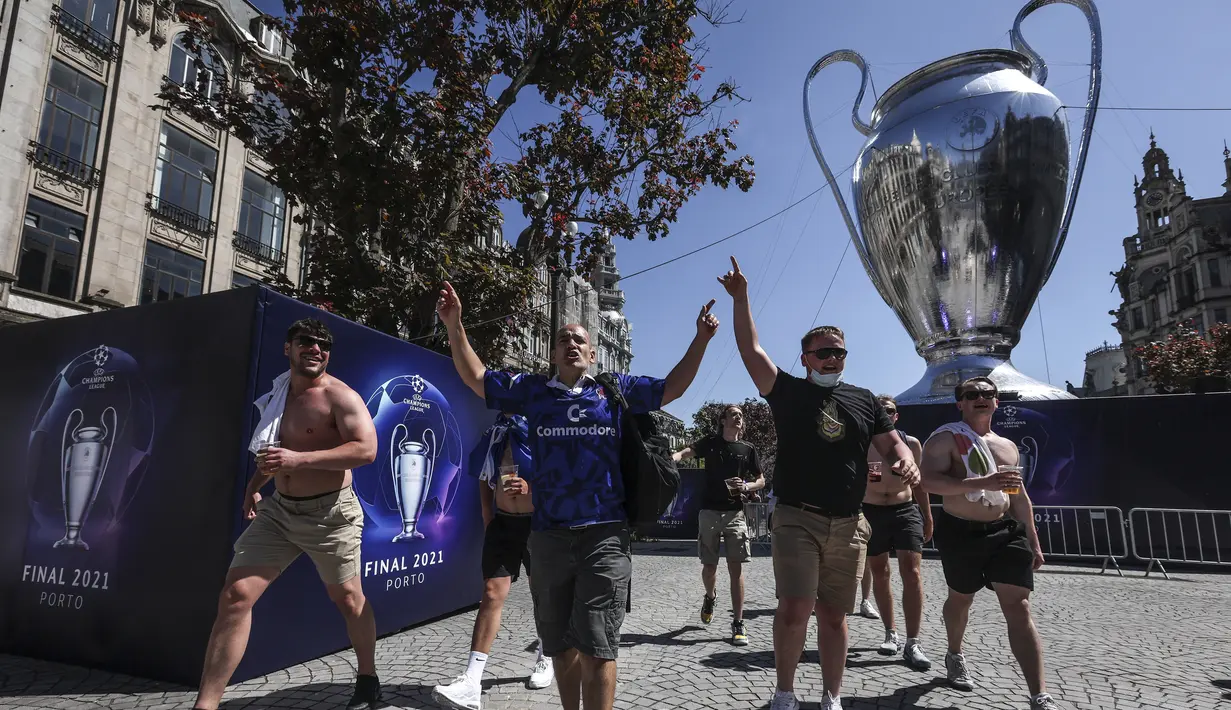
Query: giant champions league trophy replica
[82, 470]
[412, 477]
[961, 193]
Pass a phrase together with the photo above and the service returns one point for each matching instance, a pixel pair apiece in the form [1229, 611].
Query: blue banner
[118, 437]
[1118, 451]
[427, 421]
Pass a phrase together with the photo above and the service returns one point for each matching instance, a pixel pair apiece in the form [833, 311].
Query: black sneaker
[739, 635]
[367, 693]
[707, 610]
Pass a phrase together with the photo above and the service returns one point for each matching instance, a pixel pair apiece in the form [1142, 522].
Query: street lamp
[540, 199]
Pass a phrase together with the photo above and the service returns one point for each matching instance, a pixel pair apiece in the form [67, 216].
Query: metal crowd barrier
[1075, 532]
[1195, 537]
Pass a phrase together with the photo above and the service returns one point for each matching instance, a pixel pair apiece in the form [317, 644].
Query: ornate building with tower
[106, 203]
[1176, 272]
[597, 305]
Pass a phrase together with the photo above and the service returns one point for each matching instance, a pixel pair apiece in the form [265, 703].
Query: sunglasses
[307, 341]
[979, 394]
[826, 353]
[890, 411]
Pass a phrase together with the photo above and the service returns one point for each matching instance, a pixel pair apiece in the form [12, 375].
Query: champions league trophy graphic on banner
[415, 422]
[85, 465]
[960, 191]
[412, 476]
[89, 445]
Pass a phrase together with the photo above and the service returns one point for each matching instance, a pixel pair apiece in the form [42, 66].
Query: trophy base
[75, 543]
[408, 534]
[942, 376]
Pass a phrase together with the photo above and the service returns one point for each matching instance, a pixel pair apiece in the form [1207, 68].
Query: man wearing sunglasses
[824, 427]
[581, 564]
[325, 432]
[985, 533]
[901, 521]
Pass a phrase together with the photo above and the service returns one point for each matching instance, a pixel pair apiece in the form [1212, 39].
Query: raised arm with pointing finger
[756, 360]
[467, 362]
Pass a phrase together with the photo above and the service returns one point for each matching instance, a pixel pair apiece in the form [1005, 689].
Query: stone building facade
[1105, 373]
[106, 202]
[597, 305]
[1176, 271]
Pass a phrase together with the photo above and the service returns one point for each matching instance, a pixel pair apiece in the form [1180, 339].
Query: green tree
[1188, 362]
[382, 126]
[758, 428]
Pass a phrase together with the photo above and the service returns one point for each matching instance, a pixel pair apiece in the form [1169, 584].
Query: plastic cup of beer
[264, 449]
[1014, 490]
[733, 486]
[874, 471]
[507, 473]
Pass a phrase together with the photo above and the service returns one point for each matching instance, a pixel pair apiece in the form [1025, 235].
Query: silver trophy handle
[393, 460]
[108, 448]
[1038, 72]
[64, 454]
[841, 55]
[431, 468]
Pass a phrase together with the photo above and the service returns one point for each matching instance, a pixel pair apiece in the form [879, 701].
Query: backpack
[651, 480]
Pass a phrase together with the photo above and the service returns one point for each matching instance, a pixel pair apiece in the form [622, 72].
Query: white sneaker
[784, 701]
[831, 703]
[867, 610]
[892, 644]
[461, 694]
[1043, 701]
[542, 675]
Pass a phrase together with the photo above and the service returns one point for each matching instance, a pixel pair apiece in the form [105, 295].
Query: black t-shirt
[725, 459]
[823, 439]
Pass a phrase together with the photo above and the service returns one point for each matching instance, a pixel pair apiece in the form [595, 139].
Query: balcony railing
[259, 250]
[82, 34]
[184, 219]
[61, 165]
[1136, 245]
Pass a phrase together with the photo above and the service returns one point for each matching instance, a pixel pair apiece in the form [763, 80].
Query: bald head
[572, 351]
[573, 329]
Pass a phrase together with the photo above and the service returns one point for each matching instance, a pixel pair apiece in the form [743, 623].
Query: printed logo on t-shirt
[829, 422]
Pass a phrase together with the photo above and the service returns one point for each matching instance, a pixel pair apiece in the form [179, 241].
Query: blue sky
[1169, 55]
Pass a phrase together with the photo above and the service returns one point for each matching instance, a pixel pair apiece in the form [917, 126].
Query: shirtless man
[986, 537]
[901, 521]
[507, 509]
[326, 431]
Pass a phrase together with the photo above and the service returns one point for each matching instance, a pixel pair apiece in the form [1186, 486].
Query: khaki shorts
[715, 526]
[328, 528]
[819, 557]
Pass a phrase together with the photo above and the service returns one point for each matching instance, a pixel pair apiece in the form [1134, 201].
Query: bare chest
[308, 423]
[1003, 450]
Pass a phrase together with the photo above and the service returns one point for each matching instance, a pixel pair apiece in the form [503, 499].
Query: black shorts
[894, 528]
[505, 546]
[976, 555]
[579, 584]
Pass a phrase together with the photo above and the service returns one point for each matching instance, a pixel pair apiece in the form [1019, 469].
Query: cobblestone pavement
[1110, 642]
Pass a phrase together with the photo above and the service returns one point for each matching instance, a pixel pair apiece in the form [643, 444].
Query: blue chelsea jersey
[574, 444]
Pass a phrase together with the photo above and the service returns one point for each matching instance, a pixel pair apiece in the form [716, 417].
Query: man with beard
[985, 533]
[580, 564]
[901, 521]
[325, 432]
[732, 471]
[824, 427]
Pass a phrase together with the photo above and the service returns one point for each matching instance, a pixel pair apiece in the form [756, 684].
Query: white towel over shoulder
[270, 405]
[977, 457]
